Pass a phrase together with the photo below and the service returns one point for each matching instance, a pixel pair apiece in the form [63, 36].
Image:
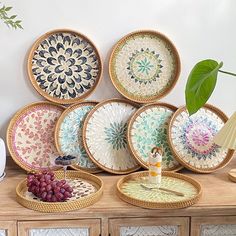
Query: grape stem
[64, 168]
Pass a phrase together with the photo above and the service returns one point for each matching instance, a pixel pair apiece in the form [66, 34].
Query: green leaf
[201, 83]
[8, 8]
[13, 16]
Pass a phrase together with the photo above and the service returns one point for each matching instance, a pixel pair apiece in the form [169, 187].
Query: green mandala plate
[130, 190]
[144, 66]
[148, 128]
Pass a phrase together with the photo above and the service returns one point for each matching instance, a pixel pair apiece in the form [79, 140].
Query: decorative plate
[232, 175]
[191, 139]
[144, 66]
[105, 130]
[130, 190]
[148, 128]
[68, 135]
[64, 66]
[87, 189]
[30, 136]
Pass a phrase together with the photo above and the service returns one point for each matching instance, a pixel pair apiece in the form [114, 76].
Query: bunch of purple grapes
[47, 188]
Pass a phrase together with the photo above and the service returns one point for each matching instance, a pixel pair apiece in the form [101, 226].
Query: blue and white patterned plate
[147, 129]
[191, 139]
[64, 66]
[68, 135]
[105, 136]
[144, 66]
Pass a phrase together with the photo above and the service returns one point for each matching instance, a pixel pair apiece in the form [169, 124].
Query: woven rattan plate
[129, 189]
[232, 175]
[68, 135]
[144, 66]
[30, 136]
[148, 128]
[105, 136]
[28, 201]
[64, 66]
[191, 139]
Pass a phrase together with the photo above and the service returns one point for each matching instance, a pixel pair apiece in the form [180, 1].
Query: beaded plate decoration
[68, 135]
[191, 139]
[144, 66]
[105, 130]
[30, 136]
[64, 66]
[130, 189]
[148, 128]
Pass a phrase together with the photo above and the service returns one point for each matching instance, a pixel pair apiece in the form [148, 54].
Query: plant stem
[226, 72]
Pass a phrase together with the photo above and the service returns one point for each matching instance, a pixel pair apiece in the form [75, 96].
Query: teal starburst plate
[148, 128]
[144, 66]
[105, 136]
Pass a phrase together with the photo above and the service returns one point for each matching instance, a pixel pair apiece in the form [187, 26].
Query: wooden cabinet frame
[94, 225]
[196, 222]
[9, 226]
[182, 222]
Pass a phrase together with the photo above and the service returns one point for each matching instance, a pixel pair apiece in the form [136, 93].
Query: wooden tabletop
[219, 198]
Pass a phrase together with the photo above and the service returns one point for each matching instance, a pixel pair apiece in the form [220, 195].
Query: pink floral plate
[191, 139]
[30, 136]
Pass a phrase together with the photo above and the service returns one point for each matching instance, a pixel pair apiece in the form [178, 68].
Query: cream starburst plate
[147, 129]
[144, 66]
[68, 135]
[30, 136]
[191, 139]
[105, 130]
[64, 66]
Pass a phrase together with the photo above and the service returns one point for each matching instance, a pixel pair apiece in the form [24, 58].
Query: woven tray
[28, 200]
[144, 66]
[130, 190]
[30, 136]
[147, 128]
[191, 138]
[104, 136]
[64, 66]
[68, 135]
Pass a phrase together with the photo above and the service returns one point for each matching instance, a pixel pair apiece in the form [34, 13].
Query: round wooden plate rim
[14, 119]
[45, 94]
[117, 84]
[130, 126]
[157, 205]
[93, 110]
[229, 155]
[63, 206]
[57, 129]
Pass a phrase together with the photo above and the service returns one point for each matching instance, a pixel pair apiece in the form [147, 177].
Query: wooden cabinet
[213, 226]
[172, 226]
[8, 228]
[88, 227]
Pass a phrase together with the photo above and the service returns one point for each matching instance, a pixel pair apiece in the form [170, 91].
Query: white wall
[199, 29]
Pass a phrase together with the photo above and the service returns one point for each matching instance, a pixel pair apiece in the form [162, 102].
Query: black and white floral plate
[64, 66]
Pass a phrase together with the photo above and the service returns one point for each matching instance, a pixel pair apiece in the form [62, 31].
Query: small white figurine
[155, 159]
